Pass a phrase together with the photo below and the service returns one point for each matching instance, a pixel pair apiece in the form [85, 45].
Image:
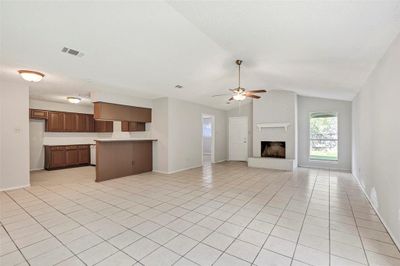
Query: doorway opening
[208, 143]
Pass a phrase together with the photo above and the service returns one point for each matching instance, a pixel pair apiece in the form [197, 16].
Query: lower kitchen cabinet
[64, 156]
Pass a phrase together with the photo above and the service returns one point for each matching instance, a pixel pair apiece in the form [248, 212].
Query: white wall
[65, 107]
[14, 135]
[276, 106]
[185, 133]
[307, 105]
[376, 139]
[160, 127]
[243, 109]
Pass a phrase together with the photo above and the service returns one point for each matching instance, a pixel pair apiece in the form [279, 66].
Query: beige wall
[14, 135]
[307, 105]
[185, 134]
[376, 139]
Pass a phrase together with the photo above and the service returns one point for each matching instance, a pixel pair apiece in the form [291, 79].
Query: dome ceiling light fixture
[74, 99]
[31, 76]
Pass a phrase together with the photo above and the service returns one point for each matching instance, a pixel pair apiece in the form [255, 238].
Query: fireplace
[273, 149]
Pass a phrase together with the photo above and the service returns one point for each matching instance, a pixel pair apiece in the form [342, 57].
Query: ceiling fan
[239, 93]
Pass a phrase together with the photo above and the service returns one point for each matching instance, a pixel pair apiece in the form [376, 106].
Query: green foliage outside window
[323, 136]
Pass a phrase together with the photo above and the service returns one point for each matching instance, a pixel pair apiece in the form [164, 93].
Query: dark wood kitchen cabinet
[72, 155]
[70, 122]
[84, 154]
[127, 126]
[55, 122]
[38, 114]
[82, 123]
[55, 157]
[63, 156]
[103, 126]
[119, 112]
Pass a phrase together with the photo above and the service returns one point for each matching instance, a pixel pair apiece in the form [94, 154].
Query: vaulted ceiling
[145, 48]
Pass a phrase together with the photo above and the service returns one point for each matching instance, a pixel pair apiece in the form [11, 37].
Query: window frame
[309, 137]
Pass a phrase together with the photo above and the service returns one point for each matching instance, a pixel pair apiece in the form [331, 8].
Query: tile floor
[225, 214]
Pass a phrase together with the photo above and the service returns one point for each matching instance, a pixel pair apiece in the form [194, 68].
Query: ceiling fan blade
[224, 94]
[257, 91]
[253, 96]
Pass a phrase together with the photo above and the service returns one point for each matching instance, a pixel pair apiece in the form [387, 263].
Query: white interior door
[238, 132]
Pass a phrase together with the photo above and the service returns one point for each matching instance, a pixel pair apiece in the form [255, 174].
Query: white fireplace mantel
[272, 125]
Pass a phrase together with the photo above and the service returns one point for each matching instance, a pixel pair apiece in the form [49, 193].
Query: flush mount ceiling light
[74, 99]
[32, 76]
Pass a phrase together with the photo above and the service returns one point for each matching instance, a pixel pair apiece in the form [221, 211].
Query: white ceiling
[144, 48]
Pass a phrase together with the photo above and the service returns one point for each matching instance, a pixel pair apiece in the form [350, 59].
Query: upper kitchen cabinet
[103, 126]
[70, 122]
[118, 112]
[84, 123]
[38, 114]
[127, 126]
[55, 122]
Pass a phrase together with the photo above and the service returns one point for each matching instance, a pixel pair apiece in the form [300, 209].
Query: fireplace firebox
[273, 149]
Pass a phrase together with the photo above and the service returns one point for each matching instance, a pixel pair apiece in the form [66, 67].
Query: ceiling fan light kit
[239, 97]
[239, 93]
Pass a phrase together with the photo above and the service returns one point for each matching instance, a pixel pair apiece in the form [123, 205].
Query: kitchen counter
[72, 144]
[125, 139]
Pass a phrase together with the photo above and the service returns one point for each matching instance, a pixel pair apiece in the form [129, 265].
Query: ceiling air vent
[72, 52]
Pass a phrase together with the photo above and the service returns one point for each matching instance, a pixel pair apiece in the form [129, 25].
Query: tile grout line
[73, 254]
[358, 231]
[305, 215]
[254, 218]
[204, 196]
[143, 236]
[215, 230]
[15, 246]
[82, 225]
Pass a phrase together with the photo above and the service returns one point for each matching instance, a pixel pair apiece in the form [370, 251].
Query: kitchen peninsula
[123, 157]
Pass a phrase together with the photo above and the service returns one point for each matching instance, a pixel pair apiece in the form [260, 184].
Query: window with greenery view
[324, 136]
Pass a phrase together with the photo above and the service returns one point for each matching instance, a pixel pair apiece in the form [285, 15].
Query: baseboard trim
[13, 188]
[324, 167]
[160, 172]
[36, 169]
[183, 169]
[395, 241]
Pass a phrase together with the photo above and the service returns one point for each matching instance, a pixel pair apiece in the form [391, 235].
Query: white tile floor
[225, 214]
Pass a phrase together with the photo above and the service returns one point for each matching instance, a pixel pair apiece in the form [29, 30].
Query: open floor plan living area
[171, 132]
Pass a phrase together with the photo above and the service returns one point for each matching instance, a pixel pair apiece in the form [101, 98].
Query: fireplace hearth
[273, 149]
